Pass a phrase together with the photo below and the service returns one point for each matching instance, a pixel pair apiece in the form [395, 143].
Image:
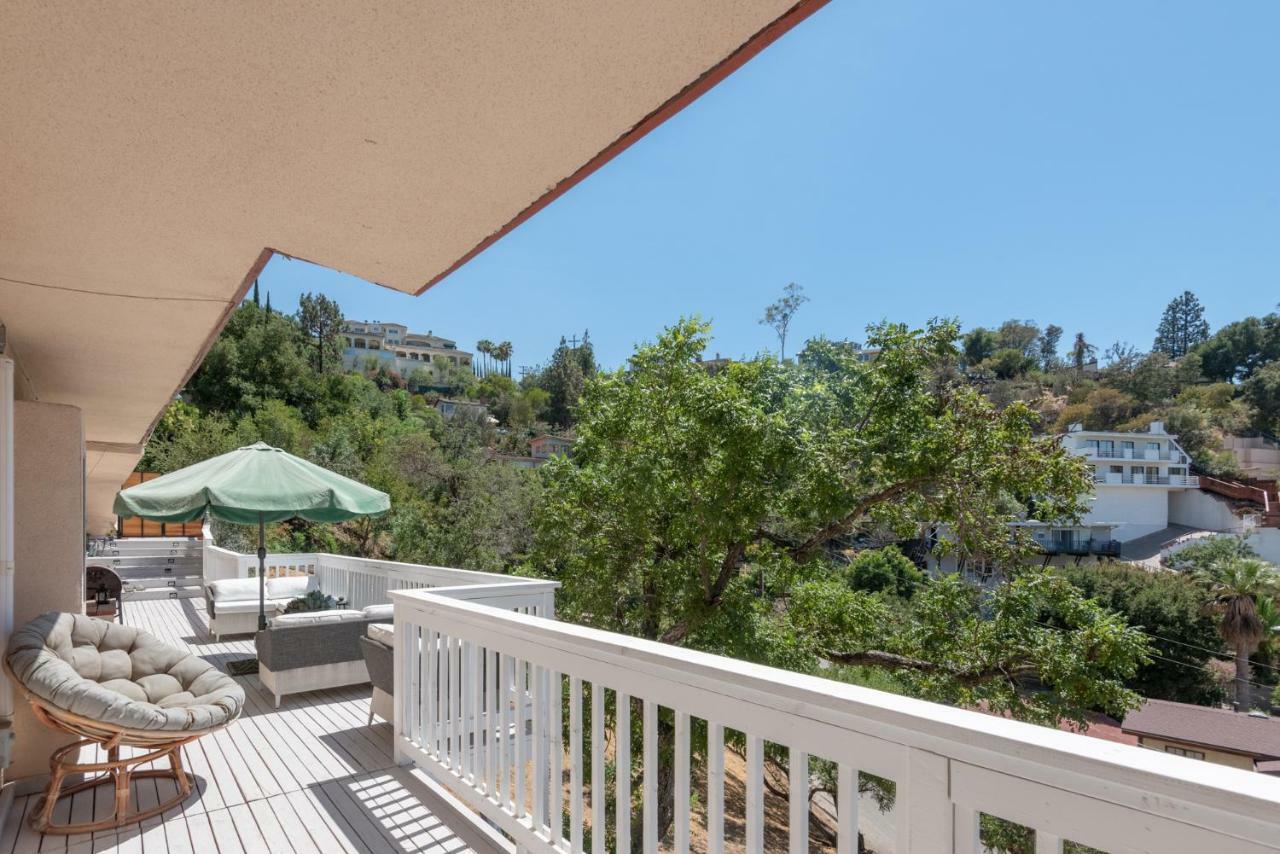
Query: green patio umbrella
[256, 483]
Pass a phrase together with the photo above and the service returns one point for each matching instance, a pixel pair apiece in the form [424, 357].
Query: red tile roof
[1217, 729]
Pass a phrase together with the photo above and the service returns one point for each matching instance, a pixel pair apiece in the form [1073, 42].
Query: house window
[1127, 446]
[1182, 751]
[1107, 448]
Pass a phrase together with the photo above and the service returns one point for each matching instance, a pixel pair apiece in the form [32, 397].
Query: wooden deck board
[312, 776]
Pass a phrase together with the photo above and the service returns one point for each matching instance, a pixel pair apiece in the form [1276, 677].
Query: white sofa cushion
[234, 589]
[379, 612]
[243, 606]
[291, 587]
[384, 633]
[303, 618]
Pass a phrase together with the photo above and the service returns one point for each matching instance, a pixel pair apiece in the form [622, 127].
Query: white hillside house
[1136, 477]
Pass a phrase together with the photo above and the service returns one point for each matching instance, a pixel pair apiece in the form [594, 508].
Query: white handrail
[478, 701]
[364, 581]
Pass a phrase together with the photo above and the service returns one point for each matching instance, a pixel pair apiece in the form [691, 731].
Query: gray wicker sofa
[311, 651]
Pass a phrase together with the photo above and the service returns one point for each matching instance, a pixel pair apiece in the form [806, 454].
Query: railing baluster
[539, 690]
[446, 718]
[493, 705]
[682, 783]
[798, 800]
[413, 720]
[598, 831]
[967, 831]
[1047, 843]
[430, 695]
[575, 765]
[650, 814]
[847, 809]
[466, 676]
[715, 788]
[477, 716]
[622, 759]
[755, 794]
[555, 698]
[522, 743]
[508, 785]
[455, 703]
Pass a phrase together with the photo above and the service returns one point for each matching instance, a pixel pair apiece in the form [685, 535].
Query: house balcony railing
[1116, 478]
[485, 679]
[482, 695]
[1130, 454]
[1081, 548]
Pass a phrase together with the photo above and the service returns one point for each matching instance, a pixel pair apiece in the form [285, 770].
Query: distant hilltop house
[541, 449]
[1144, 498]
[393, 345]
[546, 447]
[1246, 740]
[866, 354]
[716, 365]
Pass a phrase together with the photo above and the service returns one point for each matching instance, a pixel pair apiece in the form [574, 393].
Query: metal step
[145, 561]
[160, 582]
[131, 573]
[163, 593]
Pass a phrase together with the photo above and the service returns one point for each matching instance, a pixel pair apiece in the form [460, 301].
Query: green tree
[1009, 363]
[1182, 326]
[778, 315]
[258, 357]
[884, 570]
[978, 346]
[1081, 352]
[1262, 391]
[1047, 347]
[1239, 349]
[1019, 335]
[563, 380]
[1036, 629]
[1169, 609]
[1235, 587]
[320, 319]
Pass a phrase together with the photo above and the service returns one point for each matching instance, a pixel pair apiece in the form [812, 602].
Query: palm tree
[502, 353]
[1081, 352]
[1235, 588]
[485, 347]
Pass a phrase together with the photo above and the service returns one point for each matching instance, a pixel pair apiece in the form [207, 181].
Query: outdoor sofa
[232, 603]
[314, 650]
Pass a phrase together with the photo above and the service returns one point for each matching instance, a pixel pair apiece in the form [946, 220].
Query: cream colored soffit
[153, 150]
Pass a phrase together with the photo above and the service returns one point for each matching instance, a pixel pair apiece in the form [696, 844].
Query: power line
[1172, 660]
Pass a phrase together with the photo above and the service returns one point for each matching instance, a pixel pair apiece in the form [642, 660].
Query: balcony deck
[309, 777]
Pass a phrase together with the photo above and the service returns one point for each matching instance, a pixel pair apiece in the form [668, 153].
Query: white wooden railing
[363, 582]
[482, 693]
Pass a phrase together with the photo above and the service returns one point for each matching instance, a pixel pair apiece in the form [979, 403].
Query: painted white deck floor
[310, 776]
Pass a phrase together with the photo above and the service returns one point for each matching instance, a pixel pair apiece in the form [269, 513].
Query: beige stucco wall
[48, 489]
[1234, 760]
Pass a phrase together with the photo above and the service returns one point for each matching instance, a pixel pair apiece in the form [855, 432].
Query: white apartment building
[394, 345]
[1137, 476]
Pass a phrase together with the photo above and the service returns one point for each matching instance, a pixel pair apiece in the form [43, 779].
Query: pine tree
[255, 294]
[1181, 327]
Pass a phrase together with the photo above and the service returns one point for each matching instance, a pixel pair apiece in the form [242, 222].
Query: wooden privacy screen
[132, 526]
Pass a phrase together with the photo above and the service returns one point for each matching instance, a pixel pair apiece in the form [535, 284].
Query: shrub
[313, 601]
[886, 569]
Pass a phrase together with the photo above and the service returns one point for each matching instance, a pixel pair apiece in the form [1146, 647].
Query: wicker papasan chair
[116, 686]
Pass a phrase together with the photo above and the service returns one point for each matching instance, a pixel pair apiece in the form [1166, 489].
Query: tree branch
[845, 523]
[877, 658]
[728, 569]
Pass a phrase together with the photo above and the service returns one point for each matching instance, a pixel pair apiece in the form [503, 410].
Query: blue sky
[1074, 163]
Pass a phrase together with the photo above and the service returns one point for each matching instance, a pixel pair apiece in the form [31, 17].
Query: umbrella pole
[262, 574]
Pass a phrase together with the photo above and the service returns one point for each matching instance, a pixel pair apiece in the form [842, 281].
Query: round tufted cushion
[120, 676]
